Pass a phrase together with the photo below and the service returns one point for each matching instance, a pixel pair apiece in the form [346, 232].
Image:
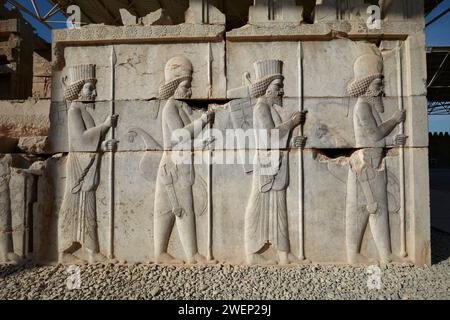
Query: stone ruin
[279, 142]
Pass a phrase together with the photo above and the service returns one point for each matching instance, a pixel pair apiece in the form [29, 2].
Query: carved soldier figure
[6, 241]
[174, 198]
[266, 221]
[367, 202]
[77, 223]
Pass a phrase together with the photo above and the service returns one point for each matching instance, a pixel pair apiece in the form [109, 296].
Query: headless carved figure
[6, 242]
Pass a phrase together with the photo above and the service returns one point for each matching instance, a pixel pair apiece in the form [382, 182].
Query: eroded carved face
[88, 92]
[375, 94]
[275, 92]
[184, 90]
[376, 88]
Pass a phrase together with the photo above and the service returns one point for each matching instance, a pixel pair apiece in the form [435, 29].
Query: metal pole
[403, 252]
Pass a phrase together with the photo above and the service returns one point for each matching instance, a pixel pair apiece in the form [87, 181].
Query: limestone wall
[321, 205]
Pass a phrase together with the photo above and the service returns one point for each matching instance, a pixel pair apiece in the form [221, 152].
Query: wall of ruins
[337, 195]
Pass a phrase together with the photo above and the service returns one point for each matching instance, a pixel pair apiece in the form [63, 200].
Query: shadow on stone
[440, 246]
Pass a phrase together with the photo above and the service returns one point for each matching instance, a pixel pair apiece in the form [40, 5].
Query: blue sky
[438, 34]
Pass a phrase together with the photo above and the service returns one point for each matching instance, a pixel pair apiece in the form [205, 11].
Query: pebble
[144, 281]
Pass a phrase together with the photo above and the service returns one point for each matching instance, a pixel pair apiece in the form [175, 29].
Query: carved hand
[207, 143]
[109, 145]
[299, 118]
[111, 121]
[400, 140]
[299, 142]
[303, 119]
[400, 116]
[178, 212]
[372, 208]
[208, 117]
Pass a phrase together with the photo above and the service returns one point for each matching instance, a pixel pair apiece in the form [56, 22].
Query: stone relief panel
[137, 68]
[174, 199]
[18, 178]
[319, 57]
[128, 196]
[367, 195]
[6, 242]
[77, 224]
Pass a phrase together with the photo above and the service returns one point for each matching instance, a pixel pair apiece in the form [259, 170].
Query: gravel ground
[146, 281]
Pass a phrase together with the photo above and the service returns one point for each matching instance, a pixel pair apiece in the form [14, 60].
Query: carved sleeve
[264, 120]
[367, 123]
[370, 126]
[83, 138]
[172, 119]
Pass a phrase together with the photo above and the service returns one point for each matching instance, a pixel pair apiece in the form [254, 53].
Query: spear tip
[113, 56]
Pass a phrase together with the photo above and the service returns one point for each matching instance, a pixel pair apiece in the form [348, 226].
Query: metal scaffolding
[438, 84]
[438, 108]
[37, 12]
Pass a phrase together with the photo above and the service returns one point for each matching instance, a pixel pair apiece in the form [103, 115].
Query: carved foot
[283, 258]
[257, 259]
[289, 258]
[165, 258]
[393, 259]
[70, 259]
[13, 258]
[198, 258]
[359, 259]
[97, 258]
[302, 260]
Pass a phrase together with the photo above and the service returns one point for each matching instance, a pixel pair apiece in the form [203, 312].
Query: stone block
[138, 67]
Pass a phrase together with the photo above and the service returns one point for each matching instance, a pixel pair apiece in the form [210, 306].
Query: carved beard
[274, 98]
[375, 98]
[182, 94]
[86, 97]
[89, 105]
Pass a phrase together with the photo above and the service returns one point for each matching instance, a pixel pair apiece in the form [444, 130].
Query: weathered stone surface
[336, 55]
[264, 11]
[24, 118]
[140, 69]
[34, 145]
[135, 208]
[127, 18]
[157, 17]
[17, 196]
[329, 123]
[201, 12]
[392, 11]
[354, 30]
[326, 10]
[345, 107]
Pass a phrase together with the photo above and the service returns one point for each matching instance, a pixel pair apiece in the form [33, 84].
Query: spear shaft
[301, 210]
[402, 213]
[112, 153]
